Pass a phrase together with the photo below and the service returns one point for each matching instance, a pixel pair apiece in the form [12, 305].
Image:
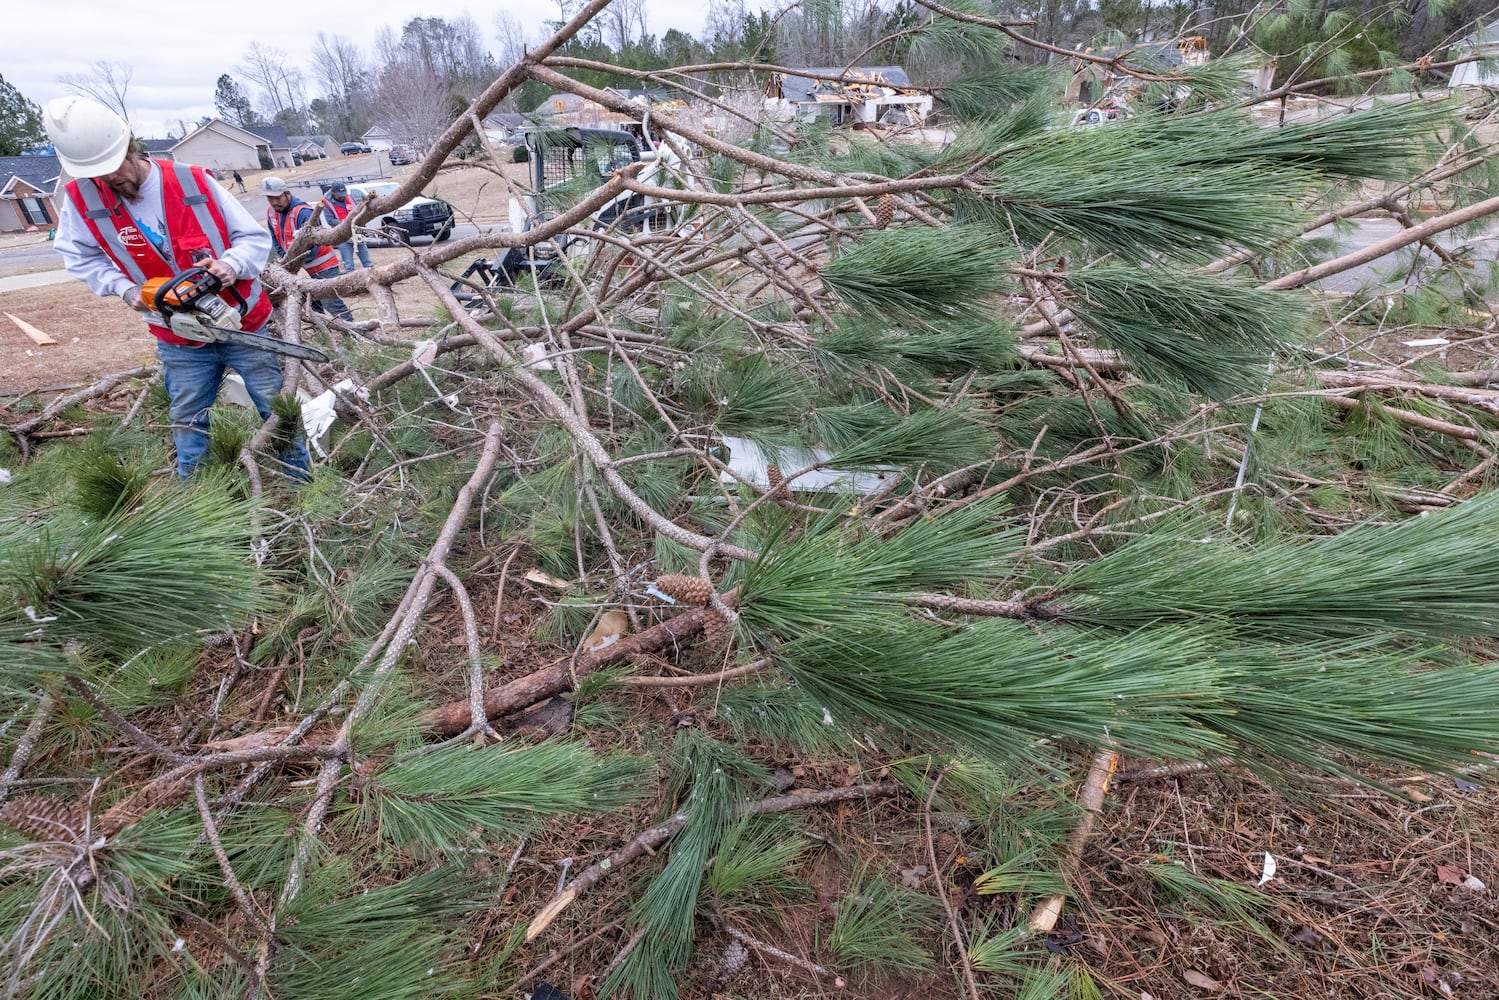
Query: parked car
[421, 216]
[402, 154]
[1098, 116]
[354, 148]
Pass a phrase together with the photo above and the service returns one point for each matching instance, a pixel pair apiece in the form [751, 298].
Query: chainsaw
[189, 304]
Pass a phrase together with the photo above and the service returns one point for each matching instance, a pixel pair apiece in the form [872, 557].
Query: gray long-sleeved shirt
[249, 243]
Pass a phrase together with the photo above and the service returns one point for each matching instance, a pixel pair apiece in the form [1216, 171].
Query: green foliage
[879, 925]
[106, 480]
[394, 941]
[831, 577]
[1210, 333]
[229, 432]
[993, 92]
[711, 776]
[154, 676]
[753, 863]
[1424, 576]
[20, 121]
[436, 802]
[918, 271]
[783, 716]
[1241, 905]
[176, 563]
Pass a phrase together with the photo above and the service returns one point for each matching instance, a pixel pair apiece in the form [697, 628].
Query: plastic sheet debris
[319, 413]
[748, 461]
[1269, 870]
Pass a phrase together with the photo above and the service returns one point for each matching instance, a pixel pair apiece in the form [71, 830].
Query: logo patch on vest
[133, 238]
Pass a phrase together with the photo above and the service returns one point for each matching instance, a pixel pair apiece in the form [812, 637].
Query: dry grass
[95, 336]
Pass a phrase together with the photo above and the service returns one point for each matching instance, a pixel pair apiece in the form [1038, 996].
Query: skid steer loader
[566, 163]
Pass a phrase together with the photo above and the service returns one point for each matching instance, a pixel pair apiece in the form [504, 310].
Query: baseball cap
[272, 186]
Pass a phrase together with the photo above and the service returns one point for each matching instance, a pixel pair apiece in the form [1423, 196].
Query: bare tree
[106, 82]
[512, 36]
[724, 26]
[452, 50]
[623, 23]
[340, 67]
[414, 101]
[344, 76]
[283, 89]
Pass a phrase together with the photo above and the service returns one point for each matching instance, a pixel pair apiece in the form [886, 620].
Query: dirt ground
[94, 337]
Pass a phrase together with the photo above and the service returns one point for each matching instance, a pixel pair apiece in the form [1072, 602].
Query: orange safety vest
[193, 224]
[340, 211]
[284, 226]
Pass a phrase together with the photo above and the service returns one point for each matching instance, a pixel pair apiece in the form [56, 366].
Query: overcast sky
[179, 51]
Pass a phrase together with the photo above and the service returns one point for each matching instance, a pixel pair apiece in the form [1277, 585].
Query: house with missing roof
[861, 96]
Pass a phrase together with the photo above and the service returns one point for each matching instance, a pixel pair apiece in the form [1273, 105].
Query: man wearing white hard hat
[127, 219]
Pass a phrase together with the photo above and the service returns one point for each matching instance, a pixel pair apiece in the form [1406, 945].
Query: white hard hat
[272, 186]
[90, 139]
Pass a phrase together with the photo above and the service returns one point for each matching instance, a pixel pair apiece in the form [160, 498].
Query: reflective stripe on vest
[94, 210]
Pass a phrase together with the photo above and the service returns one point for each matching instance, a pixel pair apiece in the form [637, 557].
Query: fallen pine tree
[1058, 468]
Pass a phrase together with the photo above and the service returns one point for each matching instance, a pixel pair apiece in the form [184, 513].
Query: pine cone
[884, 212]
[133, 809]
[777, 480]
[718, 631]
[692, 591]
[735, 956]
[43, 818]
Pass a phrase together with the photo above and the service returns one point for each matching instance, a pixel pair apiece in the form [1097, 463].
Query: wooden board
[37, 336]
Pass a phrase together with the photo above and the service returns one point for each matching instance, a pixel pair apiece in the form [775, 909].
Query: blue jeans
[330, 305]
[193, 376]
[346, 254]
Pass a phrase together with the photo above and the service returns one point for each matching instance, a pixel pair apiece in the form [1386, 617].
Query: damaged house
[1095, 82]
[864, 95]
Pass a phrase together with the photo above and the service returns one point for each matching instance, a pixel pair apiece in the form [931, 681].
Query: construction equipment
[569, 161]
[190, 305]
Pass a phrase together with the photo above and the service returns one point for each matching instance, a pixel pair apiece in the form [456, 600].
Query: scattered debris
[1269, 870]
[750, 463]
[546, 580]
[1202, 981]
[611, 628]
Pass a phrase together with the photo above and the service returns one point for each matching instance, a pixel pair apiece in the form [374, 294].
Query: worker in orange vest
[337, 204]
[285, 214]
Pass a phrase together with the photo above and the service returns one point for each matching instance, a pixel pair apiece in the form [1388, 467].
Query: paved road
[1367, 232]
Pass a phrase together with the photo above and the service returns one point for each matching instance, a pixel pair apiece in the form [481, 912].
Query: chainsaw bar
[271, 344]
[189, 327]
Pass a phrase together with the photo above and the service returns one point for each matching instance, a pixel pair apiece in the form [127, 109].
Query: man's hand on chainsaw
[222, 270]
[134, 300]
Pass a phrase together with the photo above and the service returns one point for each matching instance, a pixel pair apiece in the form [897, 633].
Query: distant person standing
[337, 204]
[241, 182]
[285, 214]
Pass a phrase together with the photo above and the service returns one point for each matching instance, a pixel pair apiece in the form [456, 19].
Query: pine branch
[647, 841]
